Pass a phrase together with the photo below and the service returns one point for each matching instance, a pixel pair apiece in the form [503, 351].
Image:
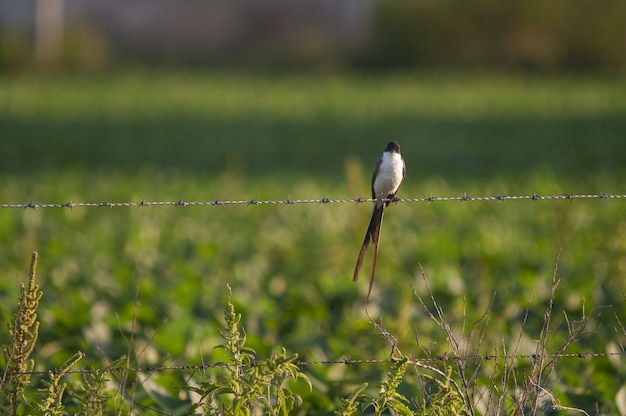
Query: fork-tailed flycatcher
[386, 180]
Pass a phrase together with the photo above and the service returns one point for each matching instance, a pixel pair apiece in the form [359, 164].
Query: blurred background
[479, 66]
[370, 34]
[157, 100]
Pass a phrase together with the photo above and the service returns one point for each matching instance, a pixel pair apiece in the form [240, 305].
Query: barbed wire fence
[345, 361]
[324, 200]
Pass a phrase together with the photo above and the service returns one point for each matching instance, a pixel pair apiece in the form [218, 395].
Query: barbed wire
[344, 361]
[324, 200]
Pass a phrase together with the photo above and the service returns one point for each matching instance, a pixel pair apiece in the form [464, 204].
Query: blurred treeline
[527, 34]
[554, 34]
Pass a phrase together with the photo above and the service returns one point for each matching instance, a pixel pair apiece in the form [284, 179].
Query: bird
[389, 171]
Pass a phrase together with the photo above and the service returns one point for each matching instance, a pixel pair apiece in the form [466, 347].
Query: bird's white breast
[390, 174]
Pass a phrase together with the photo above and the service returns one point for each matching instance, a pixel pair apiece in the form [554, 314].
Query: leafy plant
[51, 396]
[91, 394]
[23, 331]
[389, 398]
[249, 385]
[447, 400]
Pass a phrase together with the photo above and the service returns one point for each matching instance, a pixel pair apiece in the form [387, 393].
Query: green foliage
[19, 367]
[447, 400]
[91, 394]
[207, 136]
[51, 396]
[249, 385]
[455, 126]
[389, 398]
[23, 332]
[350, 406]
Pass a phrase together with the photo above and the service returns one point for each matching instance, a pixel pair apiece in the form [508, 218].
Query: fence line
[324, 200]
[346, 361]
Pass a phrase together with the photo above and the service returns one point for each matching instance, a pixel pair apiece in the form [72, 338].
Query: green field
[161, 273]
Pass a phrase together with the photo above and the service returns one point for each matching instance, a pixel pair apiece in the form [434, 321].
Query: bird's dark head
[392, 146]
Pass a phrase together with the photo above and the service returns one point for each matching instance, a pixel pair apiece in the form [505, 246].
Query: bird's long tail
[375, 238]
[372, 234]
